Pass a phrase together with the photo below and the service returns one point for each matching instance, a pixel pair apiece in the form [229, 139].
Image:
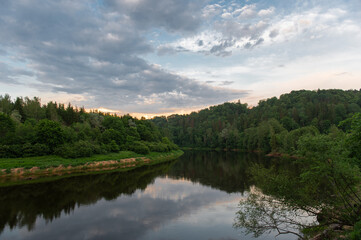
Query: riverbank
[15, 169]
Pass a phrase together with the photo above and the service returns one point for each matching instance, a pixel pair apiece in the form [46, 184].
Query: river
[194, 197]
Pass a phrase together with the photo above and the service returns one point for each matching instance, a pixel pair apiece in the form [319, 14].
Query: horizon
[163, 57]
[183, 112]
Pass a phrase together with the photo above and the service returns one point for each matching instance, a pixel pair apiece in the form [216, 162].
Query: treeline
[28, 128]
[275, 125]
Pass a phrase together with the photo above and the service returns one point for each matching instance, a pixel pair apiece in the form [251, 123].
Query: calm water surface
[194, 197]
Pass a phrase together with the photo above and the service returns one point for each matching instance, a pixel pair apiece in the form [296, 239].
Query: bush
[37, 149]
[11, 151]
[78, 149]
[171, 145]
[157, 146]
[50, 133]
[138, 147]
[113, 146]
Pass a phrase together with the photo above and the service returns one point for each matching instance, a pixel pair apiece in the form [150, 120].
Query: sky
[155, 57]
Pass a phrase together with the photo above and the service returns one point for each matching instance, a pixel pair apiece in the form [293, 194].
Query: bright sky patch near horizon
[153, 57]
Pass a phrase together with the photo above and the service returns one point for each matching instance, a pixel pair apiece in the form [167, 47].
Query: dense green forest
[274, 125]
[28, 128]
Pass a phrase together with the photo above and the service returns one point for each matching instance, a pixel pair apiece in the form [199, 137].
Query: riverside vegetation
[32, 135]
[320, 130]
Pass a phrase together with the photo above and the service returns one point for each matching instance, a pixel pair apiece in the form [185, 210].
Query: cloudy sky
[170, 56]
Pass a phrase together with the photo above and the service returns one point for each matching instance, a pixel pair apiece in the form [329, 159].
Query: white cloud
[226, 15]
[211, 10]
[266, 12]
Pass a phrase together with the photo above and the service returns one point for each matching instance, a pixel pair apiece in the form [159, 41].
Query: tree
[49, 133]
[6, 106]
[354, 138]
[19, 106]
[33, 109]
[110, 135]
[7, 127]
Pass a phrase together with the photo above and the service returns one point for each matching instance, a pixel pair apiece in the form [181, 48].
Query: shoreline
[22, 174]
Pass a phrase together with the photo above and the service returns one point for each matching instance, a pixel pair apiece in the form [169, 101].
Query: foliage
[354, 138]
[325, 182]
[356, 233]
[78, 149]
[237, 126]
[36, 149]
[138, 147]
[29, 129]
[49, 133]
[7, 127]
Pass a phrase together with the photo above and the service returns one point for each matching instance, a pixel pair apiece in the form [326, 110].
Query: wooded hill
[274, 124]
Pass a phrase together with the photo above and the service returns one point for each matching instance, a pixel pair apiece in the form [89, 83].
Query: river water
[194, 197]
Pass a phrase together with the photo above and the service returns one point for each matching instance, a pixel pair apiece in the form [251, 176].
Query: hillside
[274, 124]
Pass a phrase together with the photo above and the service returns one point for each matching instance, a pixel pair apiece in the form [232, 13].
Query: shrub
[50, 133]
[170, 144]
[138, 147]
[113, 146]
[37, 149]
[11, 151]
[157, 146]
[78, 149]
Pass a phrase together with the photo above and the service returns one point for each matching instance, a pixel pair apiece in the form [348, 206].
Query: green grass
[55, 161]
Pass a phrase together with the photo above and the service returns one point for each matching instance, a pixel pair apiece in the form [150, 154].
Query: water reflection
[195, 197]
[226, 171]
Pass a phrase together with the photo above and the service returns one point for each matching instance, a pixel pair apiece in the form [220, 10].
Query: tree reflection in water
[261, 214]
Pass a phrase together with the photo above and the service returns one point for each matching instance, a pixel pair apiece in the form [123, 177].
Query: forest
[28, 128]
[274, 125]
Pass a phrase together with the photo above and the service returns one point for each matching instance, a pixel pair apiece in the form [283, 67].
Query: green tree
[7, 128]
[49, 133]
[6, 105]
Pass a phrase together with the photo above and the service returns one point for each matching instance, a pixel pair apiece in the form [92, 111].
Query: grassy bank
[54, 165]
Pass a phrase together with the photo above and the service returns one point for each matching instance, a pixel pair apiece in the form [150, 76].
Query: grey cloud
[173, 15]
[250, 45]
[9, 75]
[94, 51]
[233, 29]
[165, 50]
[259, 41]
[273, 33]
[220, 49]
[224, 83]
